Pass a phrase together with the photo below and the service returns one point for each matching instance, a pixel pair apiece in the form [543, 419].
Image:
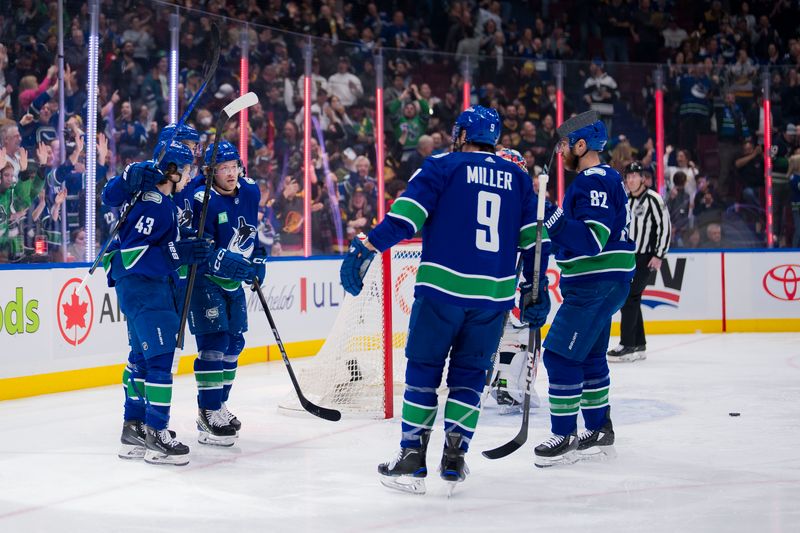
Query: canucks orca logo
[244, 238]
[185, 214]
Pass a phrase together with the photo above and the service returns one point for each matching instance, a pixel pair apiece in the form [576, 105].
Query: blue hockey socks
[566, 384]
[419, 401]
[158, 391]
[463, 405]
[133, 385]
[208, 371]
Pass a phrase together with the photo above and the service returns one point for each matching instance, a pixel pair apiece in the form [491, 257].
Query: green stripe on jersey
[466, 285]
[130, 256]
[409, 210]
[107, 257]
[418, 415]
[158, 393]
[462, 414]
[527, 236]
[623, 261]
[601, 232]
[225, 283]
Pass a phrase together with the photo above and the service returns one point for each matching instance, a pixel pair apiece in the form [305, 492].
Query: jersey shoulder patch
[595, 170]
[198, 195]
[249, 181]
[152, 196]
[443, 154]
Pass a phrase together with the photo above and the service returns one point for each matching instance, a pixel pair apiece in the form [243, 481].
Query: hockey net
[361, 360]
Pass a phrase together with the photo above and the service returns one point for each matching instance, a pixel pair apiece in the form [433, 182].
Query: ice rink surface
[683, 463]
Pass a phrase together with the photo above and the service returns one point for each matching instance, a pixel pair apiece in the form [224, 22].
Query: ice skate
[133, 440]
[162, 448]
[598, 445]
[557, 450]
[453, 468]
[626, 354]
[214, 429]
[408, 470]
[230, 418]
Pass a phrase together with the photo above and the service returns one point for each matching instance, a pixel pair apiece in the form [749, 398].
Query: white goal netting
[350, 372]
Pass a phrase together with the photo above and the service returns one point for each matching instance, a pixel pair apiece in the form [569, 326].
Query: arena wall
[52, 340]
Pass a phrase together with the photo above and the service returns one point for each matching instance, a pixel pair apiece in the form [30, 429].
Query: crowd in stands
[711, 54]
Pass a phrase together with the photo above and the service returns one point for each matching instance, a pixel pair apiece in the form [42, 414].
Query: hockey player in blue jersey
[141, 265]
[218, 310]
[596, 258]
[474, 209]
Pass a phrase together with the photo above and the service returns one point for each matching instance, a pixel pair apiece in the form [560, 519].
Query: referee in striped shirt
[650, 229]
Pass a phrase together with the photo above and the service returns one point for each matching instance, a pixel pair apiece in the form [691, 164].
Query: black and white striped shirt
[650, 227]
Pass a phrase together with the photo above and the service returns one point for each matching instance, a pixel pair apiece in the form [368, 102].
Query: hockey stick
[243, 102]
[316, 410]
[490, 373]
[211, 70]
[534, 337]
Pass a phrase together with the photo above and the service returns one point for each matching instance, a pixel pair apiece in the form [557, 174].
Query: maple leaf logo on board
[74, 312]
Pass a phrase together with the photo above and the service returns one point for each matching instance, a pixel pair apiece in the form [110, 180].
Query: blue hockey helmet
[183, 133]
[226, 152]
[482, 125]
[177, 154]
[594, 134]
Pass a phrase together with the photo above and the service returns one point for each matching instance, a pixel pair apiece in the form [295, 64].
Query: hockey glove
[535, 311]
[554, 219]
[354, 267]
[258, 270]
[229, 265]
[187, 232]
[190, 251]
[141, 176]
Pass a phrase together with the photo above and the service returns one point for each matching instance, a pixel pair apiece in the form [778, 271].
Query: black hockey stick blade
[577, 122]
[522, 436]
[321, 412]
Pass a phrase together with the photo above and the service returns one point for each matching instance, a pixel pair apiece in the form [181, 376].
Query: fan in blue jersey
[141, 265]
[474, 210]
[595, 255]
[218, 310]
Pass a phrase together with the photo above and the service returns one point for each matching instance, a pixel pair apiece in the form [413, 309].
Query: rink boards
[52, 339]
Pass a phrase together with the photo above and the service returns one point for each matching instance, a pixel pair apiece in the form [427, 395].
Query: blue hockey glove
[258, 270]
[554, 219]
[187, 232]
[190, 251]
[229, 265]
[354, 267]
[141, 176]
[535, 311]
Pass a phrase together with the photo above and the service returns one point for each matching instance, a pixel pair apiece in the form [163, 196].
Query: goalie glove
[355, 265]
[190, 251]
[229, 265]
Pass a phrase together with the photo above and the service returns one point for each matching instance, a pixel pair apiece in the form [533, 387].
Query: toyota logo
[782, 282]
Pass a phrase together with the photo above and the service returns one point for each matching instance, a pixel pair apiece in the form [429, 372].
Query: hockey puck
[734, 414]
